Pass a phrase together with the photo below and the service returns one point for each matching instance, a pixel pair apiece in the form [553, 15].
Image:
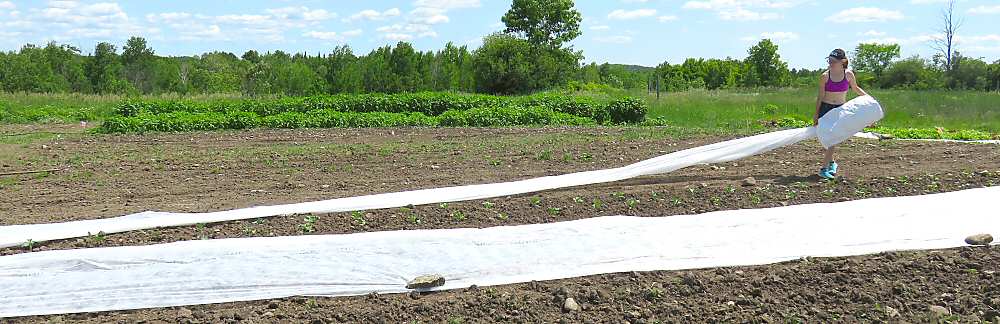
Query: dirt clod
[939, 310]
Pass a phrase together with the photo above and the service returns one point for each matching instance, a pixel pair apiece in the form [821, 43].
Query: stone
[184, 313]
[940, 311]
[425, 282]
[979, 239]
[749, 182]
[571, 305]
[891, 312]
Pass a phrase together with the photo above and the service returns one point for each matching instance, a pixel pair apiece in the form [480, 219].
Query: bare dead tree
[944, 43]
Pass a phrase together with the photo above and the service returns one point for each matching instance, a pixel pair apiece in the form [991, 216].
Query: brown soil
[106, 176]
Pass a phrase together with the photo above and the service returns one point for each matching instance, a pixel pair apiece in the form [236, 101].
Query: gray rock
[979, 239]
[571, 305]
[891, 312]
[425, 282]
[749, 182]
[184, 313]
[941, 311]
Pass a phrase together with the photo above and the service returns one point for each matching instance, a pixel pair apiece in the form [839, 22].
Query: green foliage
[912, 73]
[765, 66]
[627, 110]
[934, 133]
[547, 23]
[874, 58]
[506, 64]
[370, 110]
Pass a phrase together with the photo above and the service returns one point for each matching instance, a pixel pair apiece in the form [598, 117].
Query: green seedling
[359, 218]
[309, 224]
[598, 204]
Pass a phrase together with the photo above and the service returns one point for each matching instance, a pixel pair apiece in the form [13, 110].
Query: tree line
[528, 56]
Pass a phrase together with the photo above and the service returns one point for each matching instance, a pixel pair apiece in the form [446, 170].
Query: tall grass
[736, 109]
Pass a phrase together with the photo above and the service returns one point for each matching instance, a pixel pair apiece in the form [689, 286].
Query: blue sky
[644, 32]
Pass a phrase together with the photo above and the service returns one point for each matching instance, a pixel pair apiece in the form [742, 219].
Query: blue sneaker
[826, 174]
[832, 167]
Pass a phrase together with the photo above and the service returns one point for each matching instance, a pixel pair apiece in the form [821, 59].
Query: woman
[833, 86]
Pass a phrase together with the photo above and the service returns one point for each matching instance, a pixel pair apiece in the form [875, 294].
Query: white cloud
[601, 27]
[352, 33]
[168, 17]
[408, 28]
[448, 4]
[63, 4]
[666, 18]
[775, 36]
[985, 10]
[324, 35]
[614, 39]
[429, 16]
[781, 36]
[982, 38]
[397, 36]
[244, 19]
[872, 33]
[738, 9]
[747, 15]
[622, 14]
[7, 5]
[927, 1]
[211, 32]
[301, 14]
[865, 14]
[370, 14]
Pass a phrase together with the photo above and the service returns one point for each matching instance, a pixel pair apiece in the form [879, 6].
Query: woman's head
[837, 58]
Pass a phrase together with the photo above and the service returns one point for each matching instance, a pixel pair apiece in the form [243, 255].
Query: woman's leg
[828, 157]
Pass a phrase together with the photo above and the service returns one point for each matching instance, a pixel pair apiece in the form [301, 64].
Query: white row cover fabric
[228, 270]
[12, 235]
[842, 122]
[839, 125]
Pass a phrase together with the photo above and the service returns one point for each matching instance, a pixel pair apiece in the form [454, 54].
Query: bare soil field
[107, 176]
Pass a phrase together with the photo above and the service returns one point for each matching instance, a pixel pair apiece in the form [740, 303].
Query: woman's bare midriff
[836, 98]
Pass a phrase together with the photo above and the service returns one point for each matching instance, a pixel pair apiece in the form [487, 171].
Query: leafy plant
[359, 218]
[458, 215]
[597, 204]
[309, 223]
[631, 203]
[554, 211]
[536, 201]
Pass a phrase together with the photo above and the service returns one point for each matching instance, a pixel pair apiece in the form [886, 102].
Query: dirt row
[106, 176]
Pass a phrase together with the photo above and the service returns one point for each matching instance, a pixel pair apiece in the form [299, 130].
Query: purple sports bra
[839, 86]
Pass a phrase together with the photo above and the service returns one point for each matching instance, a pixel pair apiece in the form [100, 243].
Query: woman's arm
[854, 84]
[819, 98]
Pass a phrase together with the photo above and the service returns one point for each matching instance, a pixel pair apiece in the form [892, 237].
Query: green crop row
[935, 133]
[179, 121]
[626, 110]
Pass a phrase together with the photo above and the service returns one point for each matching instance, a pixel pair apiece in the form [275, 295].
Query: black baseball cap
[838, 54]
